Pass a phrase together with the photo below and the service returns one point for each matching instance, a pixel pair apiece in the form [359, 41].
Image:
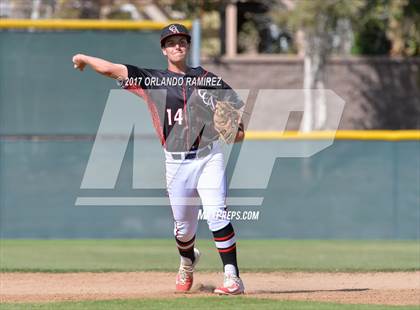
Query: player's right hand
[78, 62]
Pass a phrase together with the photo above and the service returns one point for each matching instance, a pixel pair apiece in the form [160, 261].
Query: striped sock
[226, 245]
[186, 250]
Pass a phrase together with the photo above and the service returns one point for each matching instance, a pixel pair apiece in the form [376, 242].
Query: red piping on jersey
[152, 109]
[186, 114]
[202, 131]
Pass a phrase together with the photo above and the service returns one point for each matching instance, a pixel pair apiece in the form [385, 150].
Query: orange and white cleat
[232, 285]
[184, 278]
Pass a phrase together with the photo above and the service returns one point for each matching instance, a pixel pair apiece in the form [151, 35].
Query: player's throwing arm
[102, 66]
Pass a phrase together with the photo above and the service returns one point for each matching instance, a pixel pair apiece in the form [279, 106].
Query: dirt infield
[396, 288]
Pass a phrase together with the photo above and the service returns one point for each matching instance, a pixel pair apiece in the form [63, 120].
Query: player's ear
[164, 51]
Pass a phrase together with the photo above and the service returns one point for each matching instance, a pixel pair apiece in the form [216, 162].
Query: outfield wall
[353, 189]
[41, 93]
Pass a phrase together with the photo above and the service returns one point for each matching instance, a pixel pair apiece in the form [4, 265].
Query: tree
[388, 27]
[404, 27]
[319, 21]
[194, 8]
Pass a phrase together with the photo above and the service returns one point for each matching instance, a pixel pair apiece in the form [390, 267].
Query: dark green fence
[41, 93]
[354, 189]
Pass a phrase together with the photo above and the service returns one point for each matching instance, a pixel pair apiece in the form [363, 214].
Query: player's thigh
[183, 195]
[212, 183]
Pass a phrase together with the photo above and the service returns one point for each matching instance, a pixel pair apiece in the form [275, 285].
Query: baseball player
[187, 122]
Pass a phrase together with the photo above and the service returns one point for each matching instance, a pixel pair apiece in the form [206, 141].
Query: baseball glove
[226, 121]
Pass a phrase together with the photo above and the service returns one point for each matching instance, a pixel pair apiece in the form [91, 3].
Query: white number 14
[177, 117]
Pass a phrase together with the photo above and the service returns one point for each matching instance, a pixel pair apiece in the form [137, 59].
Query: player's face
[176, 48]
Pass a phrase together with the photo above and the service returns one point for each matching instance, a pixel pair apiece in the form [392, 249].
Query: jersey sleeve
[136, 77]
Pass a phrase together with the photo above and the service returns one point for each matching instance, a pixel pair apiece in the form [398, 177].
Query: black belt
[200, 153]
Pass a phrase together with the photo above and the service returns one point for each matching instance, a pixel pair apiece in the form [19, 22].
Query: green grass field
[210, 303]
[161, 255]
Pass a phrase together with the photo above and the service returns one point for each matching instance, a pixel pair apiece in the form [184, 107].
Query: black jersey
[181, 105]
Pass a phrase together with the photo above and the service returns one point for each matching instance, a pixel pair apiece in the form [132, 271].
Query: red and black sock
[226, 245]
[186, 249]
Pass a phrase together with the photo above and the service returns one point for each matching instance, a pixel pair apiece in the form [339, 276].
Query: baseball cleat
[184, 278]
[232, 285]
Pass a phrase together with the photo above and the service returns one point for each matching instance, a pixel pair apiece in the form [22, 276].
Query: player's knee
[184, 231]
[217, 224]
[217, 218]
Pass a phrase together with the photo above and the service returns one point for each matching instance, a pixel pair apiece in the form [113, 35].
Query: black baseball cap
[174, 30]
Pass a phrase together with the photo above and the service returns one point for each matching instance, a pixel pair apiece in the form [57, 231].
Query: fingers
[77, 62]
[75, 59]
[78, 67]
